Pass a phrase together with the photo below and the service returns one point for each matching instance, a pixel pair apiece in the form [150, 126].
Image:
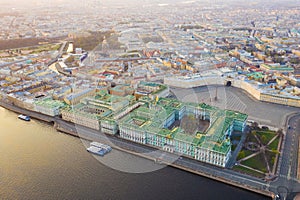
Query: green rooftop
[214, 138]
[255, 75]
[83, 109]
[278, 67]
[50, 103]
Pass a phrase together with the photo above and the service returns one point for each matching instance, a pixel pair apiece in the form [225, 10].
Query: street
[287, 177]
[286, 184]
[236, 99]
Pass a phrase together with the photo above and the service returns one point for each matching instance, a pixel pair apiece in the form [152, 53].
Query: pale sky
[29, 3]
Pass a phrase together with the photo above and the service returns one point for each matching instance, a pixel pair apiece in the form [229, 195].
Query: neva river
[37, 162]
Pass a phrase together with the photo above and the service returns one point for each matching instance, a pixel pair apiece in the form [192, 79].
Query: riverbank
[215, 173]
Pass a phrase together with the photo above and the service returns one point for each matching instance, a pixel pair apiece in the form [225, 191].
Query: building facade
[49, 106]
[149, 125]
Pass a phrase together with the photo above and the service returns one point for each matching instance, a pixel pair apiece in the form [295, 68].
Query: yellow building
[280, 100]
[74, 98]
[84, 119]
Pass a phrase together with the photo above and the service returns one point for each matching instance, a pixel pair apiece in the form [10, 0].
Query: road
[236, 99]
[274, 115]
[173, 160]
[287, 184]
[27, 112]
[60, 53]
[239, 147]
[226, 175]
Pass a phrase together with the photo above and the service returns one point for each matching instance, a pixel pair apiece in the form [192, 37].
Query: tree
[264, 139]
[273, 160]
[241, 155]
[275, 151]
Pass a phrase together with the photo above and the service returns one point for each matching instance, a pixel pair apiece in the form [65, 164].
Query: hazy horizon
[28, 2]
[32, 7]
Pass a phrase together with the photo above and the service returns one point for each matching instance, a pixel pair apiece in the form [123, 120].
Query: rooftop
[50, 103]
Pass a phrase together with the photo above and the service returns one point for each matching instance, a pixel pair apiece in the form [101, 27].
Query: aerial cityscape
[146, 91]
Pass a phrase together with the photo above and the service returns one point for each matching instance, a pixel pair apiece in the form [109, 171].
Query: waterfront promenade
[286, 183]
[224, 175]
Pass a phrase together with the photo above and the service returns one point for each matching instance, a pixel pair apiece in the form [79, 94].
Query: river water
[37, 162]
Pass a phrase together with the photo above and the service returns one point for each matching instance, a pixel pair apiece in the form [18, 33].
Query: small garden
[260, 152]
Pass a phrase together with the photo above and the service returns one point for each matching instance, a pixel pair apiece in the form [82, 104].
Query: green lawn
[248, 171]
[271, 158]
[256, 162]
[274, 144]
[265, 136]
[243, 154]
[248, 153]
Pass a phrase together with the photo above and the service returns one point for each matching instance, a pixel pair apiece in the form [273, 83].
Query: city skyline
[209, 87]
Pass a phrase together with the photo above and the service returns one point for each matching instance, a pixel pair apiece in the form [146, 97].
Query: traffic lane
[75, 127]
[289, 158]
[287, 143]
[291, 148]
[230, 175]
[235, 96]
[210, 170]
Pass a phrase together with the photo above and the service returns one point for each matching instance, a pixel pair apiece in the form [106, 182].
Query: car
[289, 127]
[277, 197]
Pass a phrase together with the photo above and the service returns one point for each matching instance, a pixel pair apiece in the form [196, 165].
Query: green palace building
[197, 131]
[164, 123]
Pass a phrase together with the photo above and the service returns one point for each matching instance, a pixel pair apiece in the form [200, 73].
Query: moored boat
[24, 117]
[99, 148]
[100, 145]
[96, 150]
